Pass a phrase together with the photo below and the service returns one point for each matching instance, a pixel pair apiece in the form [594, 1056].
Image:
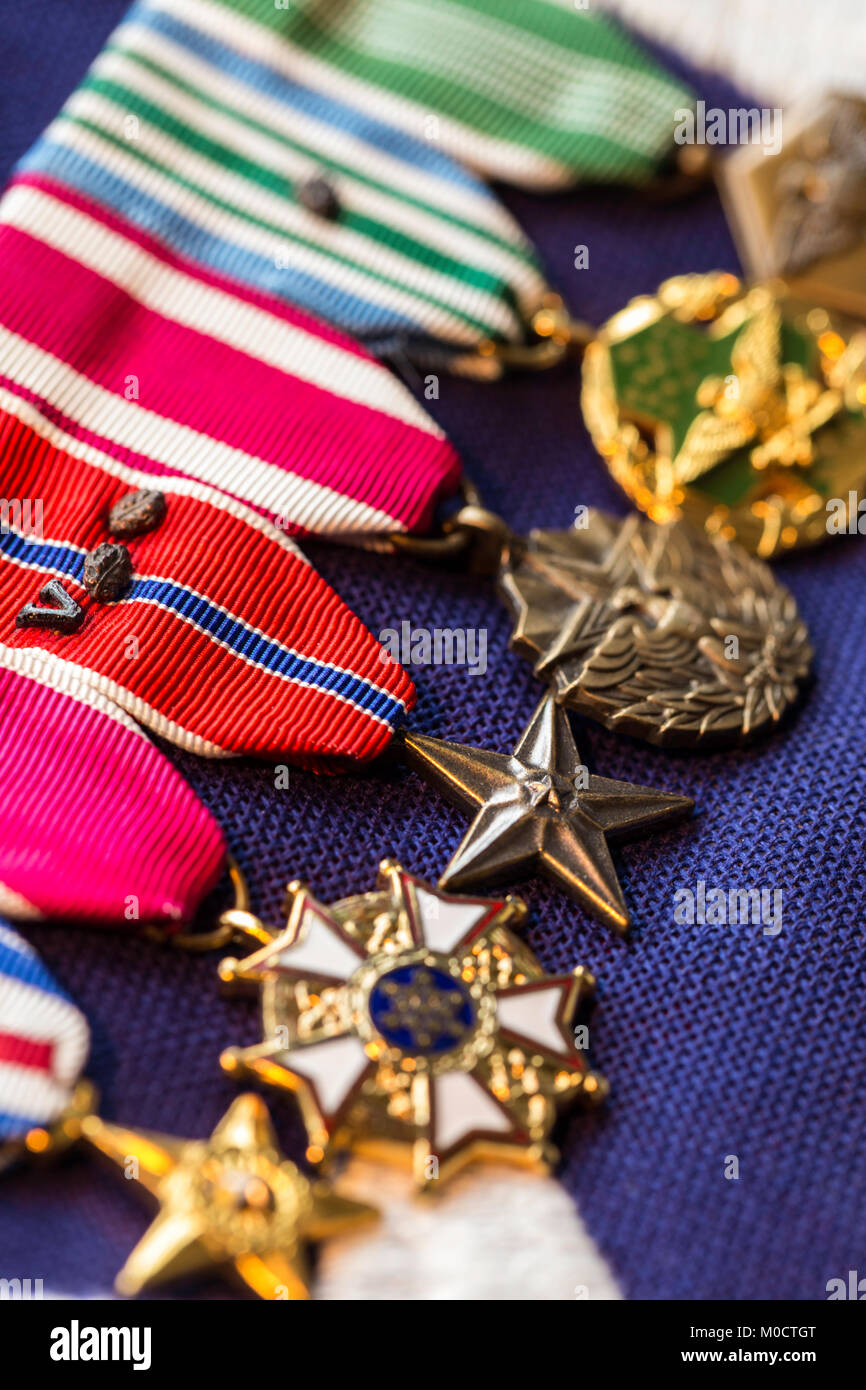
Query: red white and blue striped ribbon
[126, 362]
[44, 1041]
[227, 642]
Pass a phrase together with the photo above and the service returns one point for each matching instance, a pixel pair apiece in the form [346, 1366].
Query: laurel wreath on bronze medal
[660, 632]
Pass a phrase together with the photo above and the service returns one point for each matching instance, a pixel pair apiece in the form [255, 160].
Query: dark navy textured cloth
[717, 1041]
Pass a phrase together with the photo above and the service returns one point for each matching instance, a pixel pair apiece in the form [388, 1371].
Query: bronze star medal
[228, 1202]
[413, 1022]
[539, 808]
[739, 409]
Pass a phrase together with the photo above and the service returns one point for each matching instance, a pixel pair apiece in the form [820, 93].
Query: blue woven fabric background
[716, 1040]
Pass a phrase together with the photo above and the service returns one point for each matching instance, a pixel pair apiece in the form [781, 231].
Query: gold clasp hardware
[553, 335]
[472, 532]
[236, 922]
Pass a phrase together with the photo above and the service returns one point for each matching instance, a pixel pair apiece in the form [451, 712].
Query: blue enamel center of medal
[420, 1008]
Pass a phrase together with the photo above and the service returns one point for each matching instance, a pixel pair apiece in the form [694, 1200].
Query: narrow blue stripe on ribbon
[251, 646]
[148, 214]
[390, 140]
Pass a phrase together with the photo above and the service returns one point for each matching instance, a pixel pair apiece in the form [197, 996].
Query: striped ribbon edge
[529, 92]
[307, 679]
[205, 148]
[44, 1040]
[344, 450]
[454, 264]
[95, 823]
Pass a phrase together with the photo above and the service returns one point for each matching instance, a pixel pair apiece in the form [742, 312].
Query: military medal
[44, 1042]
[415, 1021]
[540, 807]
[659, 631]
[197, 191]
[800, 213]
[125, 589]
[230, 1202]
[244, 137]
[737, 408]
[662, 632]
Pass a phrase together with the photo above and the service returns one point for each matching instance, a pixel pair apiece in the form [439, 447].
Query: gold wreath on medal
[741, 409]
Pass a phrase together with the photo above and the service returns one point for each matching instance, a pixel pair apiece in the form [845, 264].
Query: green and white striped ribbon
[190, 126]
[540, 93]
[205, 122]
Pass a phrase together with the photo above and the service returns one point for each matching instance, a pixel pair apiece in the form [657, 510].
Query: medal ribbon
[533, 92]
[95, 823]
[44, 1041]
[225, 641]
[137, 351]
[277, 146]
[189, 135]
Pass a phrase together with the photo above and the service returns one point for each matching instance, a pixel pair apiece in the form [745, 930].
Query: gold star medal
[413, 1023]
[231, 1202]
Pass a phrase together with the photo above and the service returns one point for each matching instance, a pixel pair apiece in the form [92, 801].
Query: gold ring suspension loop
[236, 921]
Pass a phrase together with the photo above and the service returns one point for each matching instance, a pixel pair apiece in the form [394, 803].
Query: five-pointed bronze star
[538, 807]
[230, 1200]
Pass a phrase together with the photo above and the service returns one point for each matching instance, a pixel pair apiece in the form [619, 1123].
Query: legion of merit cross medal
[409, 1020]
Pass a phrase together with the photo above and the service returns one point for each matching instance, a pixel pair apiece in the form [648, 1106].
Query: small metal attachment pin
[63, 614]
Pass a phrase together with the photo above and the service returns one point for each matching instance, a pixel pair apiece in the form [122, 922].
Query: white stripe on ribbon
[13, 942]
[493, 157]
[267, 242]
[13, 905]
[40, 666]
[596, 96]
[138, 708]
[209, 310]
[31, 1013]
[279, 492]
[53, 433]
[30, 1093]
[439, 195]
[388, 207]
